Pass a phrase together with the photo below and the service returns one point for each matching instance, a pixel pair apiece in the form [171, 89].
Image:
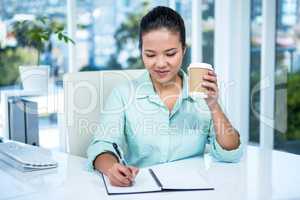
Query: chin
[163, 80]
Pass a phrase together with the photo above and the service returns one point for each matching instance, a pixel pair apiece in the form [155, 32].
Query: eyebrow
[152, 51]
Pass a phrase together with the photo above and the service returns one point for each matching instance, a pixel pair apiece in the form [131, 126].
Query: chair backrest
[84, 96]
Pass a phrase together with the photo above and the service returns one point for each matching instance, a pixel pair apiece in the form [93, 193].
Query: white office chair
[84, 96]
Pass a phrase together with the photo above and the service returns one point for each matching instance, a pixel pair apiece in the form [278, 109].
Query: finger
[115, 182]
[210, 78]
[210, 72]
[134, 171]
[121, 179]
[210, 86]
[125, 170]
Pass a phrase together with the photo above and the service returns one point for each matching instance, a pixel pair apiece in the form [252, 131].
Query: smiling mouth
[161, 73]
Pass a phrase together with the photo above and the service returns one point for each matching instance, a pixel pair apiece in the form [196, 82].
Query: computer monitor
[23, 120]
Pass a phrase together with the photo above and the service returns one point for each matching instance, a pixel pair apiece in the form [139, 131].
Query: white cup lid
[200, 65]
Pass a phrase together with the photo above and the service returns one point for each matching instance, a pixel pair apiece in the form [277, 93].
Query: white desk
[260, 175]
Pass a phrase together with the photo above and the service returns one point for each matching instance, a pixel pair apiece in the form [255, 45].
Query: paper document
[162, 178]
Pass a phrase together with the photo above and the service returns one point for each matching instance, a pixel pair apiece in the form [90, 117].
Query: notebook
[161, 179]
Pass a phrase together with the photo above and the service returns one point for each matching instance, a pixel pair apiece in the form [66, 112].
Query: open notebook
[159, 179]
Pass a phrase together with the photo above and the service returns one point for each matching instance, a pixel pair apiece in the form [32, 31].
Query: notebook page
[180, 178]
[144, 182]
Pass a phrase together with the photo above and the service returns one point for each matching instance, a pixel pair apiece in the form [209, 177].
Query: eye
[149, 55]
[171, 54]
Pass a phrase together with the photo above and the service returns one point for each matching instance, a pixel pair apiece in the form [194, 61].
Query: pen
[119, 154]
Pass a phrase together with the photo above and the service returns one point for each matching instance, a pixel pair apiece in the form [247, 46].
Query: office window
[184, 7]
[208, 16]
[255, 65]
[13, 53]
[54, 55]
[287, 77]
[107, 33]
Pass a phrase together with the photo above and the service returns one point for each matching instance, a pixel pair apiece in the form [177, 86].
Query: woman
[160, 122]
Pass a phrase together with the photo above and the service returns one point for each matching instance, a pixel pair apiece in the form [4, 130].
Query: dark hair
[162, 17]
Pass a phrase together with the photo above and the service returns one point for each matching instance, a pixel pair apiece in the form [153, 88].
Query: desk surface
[260, 175]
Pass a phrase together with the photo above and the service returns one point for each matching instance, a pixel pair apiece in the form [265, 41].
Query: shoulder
[129, 89]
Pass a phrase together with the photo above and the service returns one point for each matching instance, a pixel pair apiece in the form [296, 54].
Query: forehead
[161, 39]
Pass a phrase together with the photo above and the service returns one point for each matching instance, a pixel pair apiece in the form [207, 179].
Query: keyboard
[26, 157]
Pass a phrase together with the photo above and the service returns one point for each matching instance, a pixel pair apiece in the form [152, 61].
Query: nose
[161, 62]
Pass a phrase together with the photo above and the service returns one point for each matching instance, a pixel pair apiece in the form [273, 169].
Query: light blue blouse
[146, 132]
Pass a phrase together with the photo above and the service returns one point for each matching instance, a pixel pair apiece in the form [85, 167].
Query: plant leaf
[65, 39]
[60, 36]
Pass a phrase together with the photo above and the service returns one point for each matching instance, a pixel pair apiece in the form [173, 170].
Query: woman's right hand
[120, 175]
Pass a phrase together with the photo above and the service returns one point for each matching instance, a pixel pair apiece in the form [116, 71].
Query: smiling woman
[162, 123]
[162, 56]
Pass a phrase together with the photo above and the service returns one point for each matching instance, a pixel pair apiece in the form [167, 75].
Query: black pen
[121, 157]
[119, 154]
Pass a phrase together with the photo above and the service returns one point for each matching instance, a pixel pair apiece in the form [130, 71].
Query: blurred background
[107, 39]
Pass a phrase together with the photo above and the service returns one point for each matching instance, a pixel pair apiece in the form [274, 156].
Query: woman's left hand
[210, 82]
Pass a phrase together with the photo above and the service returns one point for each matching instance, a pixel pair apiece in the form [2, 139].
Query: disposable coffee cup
[196, 71]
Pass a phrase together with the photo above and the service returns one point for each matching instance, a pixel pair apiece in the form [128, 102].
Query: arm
[226, 135]
[101, 154]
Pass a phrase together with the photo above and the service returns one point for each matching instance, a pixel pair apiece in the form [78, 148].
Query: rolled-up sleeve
[110, 129]
[220, 153]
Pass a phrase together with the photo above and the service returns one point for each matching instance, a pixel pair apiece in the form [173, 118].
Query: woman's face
[162, 54]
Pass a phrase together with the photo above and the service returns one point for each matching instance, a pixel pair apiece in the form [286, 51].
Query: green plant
[10, 60]
[37, 33]
[293, 105]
